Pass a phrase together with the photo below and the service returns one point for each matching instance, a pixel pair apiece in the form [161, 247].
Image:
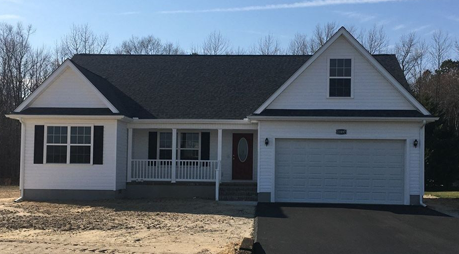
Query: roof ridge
[190, 55]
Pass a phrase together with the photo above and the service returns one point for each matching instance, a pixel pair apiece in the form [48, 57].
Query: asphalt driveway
[310, 228]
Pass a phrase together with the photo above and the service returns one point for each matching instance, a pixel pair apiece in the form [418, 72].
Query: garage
[340, 171]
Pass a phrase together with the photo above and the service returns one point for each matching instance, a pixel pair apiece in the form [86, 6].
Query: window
[80, 145]
[340, 77]
[188, 146]
[56, 148]
[165, 146]
[74, 149]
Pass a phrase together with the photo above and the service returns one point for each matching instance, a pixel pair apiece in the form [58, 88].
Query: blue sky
[188, 22]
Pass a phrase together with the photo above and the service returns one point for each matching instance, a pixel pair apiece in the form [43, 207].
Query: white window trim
[158, 140]
[45, 143]
[178, 148]
[351, 77]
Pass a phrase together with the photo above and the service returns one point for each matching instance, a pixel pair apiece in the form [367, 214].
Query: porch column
[219, 168]
[174, 154]
[219, 152]
[129, 156]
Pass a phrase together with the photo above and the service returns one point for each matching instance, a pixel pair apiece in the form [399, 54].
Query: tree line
[427, 63]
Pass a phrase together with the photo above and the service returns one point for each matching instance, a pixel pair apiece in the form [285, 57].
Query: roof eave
[428, 119]
[92, 117]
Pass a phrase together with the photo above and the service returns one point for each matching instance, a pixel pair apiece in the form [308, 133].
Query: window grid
[68, 145]
[188, 146]
[165, 146]
[340, 75]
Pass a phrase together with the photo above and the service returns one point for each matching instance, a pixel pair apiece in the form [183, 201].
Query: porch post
[174, 154]
[129, 154]
[219, 168]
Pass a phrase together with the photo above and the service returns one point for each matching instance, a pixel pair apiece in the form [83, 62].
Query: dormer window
[340, 78]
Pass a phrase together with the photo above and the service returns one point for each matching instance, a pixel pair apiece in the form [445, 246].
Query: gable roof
[377, 64]
[54, 76]
[187, 87]
[194, 86]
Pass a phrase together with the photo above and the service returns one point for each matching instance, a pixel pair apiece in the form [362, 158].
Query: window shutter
[38, 145]
[152, 145]
[98, 147]
[205, 145]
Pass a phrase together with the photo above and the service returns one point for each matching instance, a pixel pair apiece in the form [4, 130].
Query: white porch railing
[186, 170]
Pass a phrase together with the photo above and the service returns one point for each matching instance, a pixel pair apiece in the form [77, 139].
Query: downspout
[422, 162]
[22, 161]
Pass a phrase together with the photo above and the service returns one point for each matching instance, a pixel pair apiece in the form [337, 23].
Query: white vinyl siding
[69, 90]
[274, 130]
[71, 176]
[370, 90]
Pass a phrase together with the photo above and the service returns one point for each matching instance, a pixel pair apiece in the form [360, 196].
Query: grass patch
[443, 194]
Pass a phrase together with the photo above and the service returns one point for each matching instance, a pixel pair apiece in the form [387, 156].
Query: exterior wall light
[415, 143]
[266, 141]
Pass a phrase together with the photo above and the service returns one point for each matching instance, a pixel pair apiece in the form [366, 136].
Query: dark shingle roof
[341, 113]
[194, 86]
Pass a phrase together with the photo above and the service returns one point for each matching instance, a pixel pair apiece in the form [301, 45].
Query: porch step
[238, 192]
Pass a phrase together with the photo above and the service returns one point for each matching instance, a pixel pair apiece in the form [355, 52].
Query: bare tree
[22, 69]
[237, 51]
[440, 48]
[172, 49]
[321, 35]
[148, 45]
[268, 45]
[420, 65]
[299, 45]
[215, 44]
[405, 50]
[376, 40]
[81, 40]
[457, 46]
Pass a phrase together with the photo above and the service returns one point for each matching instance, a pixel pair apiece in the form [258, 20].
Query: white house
[340, 126]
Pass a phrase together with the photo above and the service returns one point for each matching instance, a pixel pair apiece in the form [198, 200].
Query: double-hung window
[56, 144]
[188, 146]
[165, 146]
[340, 77]
[68, 144]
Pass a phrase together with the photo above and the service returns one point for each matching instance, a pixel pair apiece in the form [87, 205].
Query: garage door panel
[340, 171]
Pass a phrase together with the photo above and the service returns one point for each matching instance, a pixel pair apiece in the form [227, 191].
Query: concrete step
[238, 191]
[234, 193]
[238, 198]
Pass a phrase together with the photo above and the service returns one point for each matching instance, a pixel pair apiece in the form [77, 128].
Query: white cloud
[417, 29]
[128, 13]
[398, 27]
[355, 15]
[305, 4]
[9, 16]
[454, 18]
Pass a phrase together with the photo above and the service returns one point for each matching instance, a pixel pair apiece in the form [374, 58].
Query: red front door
[242, 156]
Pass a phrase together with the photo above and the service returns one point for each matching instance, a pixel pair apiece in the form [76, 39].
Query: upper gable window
[340, 77]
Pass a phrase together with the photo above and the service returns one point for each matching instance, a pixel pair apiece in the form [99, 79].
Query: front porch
[203, 158]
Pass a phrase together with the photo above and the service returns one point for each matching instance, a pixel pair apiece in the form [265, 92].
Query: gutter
[334, 118]
[421, 162]
[22, 161]
[90, 117]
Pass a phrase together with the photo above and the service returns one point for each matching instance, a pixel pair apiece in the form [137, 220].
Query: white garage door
[340, 171]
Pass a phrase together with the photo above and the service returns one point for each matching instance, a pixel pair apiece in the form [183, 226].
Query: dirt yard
[121, 226]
